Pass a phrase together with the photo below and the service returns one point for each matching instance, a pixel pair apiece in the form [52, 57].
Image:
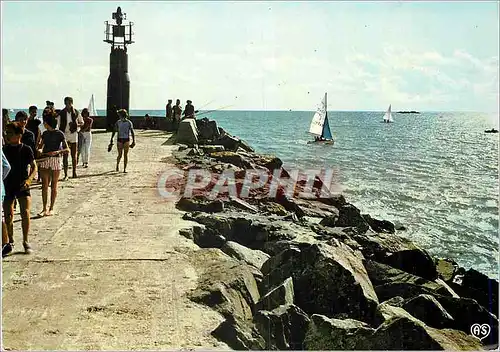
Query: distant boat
[320, 126]
[92, 110]
[388, 115]
[408, 112]
[491, 131]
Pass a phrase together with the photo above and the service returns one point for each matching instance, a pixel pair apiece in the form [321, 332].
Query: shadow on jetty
[171, 140]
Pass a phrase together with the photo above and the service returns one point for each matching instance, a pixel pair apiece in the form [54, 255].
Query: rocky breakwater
[305, 269]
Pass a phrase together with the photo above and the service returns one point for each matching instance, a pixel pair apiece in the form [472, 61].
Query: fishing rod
[210, 102]
[206, 112]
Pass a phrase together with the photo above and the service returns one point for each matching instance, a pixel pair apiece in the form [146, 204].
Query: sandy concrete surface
[109, 269]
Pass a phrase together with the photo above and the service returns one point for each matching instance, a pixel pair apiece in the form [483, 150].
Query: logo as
[480, 331]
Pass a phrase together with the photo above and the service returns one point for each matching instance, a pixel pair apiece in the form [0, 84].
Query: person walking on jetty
[177, 113]
[5, 122]
[18, 181]
[6, 246]
[168, 109]
[189, 110]
[124, 128]
[86, 134]
[28, 137]
[53, 144]
[69, 122]
[34, 123]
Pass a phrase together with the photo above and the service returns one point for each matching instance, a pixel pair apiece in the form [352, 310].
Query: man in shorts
[124, 128]
[18, 181]
[69, 122]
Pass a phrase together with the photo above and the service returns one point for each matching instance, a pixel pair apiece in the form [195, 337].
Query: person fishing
[189, 110]
[177, 113]
[124, 128]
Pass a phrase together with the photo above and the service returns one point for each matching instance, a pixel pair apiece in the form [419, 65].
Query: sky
[426, 56]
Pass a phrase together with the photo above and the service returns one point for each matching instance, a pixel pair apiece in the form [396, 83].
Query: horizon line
[295, 110]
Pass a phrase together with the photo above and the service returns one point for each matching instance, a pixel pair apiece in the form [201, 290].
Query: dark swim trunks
[11, 194]
[123, 140]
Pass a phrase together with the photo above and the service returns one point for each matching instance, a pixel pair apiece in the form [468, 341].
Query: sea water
[436, 173]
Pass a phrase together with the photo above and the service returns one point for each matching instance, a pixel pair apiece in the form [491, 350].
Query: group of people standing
[35, 146]
[176, 114]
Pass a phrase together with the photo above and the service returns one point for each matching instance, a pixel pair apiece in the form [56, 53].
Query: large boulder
[252, 257]
[231, 158]
[317, 209]
[328, 279]
[390, 282]
[207, 149]
[476, 285]
[350, 216]
[403, 333]
[379, 225]
[281, 295]
[414, 261]
[446, 268]
[253, 231]
[207, 129]
[283, 328]
[466, 312]
[427, 309]
[397, 333]
[230, 143]
[239, 336]
[335, 334]
[229, 287]
[200, 204]
[273, 208]
[187, 132]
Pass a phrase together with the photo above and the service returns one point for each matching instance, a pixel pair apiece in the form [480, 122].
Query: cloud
[403, 76]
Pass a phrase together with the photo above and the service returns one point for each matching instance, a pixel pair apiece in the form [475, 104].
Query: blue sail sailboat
[320, 126]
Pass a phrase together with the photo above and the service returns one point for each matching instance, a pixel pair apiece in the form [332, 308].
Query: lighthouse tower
[119, 35]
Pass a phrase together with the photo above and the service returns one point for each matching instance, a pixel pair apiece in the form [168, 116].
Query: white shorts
[71, 137]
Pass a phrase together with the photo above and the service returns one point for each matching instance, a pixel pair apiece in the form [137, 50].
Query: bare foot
[124, 171]
[50, 212]
[65, 178]
[42, 213]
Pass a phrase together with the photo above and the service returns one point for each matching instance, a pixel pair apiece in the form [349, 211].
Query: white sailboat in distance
[92, 110]
[388, 115]
[320, 127]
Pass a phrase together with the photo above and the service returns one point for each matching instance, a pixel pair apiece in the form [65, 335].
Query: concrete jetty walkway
[109, 270]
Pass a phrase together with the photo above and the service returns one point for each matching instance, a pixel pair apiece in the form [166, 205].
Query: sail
[327, 134]
[318, 120]
[92, 110]
[388, 115]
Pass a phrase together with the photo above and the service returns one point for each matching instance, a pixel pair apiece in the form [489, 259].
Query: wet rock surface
[307, 270]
